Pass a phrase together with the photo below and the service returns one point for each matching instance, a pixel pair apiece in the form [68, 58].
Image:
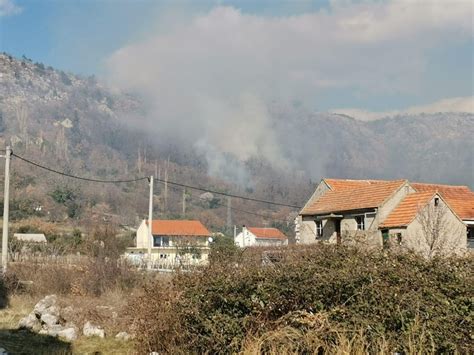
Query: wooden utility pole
[229, 212]
[166, 182]
[150, 223]
[184, 202]
[6, 210]
[139, 160]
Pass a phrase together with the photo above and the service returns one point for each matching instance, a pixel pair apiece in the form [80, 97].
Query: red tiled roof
[406, 211]
[344, 184]
[459, 198]
[267, 233]
[359, 196]
[179, 228]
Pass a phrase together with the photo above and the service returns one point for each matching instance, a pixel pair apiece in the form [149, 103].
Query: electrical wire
[227, 194]
[75, 176]
[194, 198]
[174, 183]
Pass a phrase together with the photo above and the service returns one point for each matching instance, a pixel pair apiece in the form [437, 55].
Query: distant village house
[254, 236]
[174, 243]
[427, 218]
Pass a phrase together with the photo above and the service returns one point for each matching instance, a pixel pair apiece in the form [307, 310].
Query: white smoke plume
[209, 81]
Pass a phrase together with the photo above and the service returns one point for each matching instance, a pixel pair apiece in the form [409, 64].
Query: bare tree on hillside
[22, 119]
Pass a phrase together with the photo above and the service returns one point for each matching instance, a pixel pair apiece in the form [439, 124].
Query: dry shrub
[315, 299]
[90, 276]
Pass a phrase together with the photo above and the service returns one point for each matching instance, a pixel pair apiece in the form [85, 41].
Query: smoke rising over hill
[216, 83]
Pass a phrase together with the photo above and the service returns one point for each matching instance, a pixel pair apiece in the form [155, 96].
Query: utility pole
[166, 183]
[150, 223]
[229, 213]
[184, 201]
[6, 208]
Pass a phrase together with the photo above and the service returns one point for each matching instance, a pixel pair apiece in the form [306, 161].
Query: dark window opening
[385, 238]
[436, 201]
[360, 223]
[399, 238]
[161, 241]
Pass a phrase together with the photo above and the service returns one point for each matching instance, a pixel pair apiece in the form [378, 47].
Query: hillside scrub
[320, 299]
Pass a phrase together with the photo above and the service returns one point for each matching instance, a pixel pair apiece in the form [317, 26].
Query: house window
[360, 223]
[163, 256]
[319, 229]
[161, 241]
[470, 237]
[436, 201]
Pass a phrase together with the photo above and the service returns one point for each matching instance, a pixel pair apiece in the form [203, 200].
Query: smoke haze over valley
[345, 89]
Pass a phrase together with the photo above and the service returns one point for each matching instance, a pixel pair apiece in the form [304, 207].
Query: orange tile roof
[406, 210]
[343, 184]
[459, 198]
[179, 228]
[267, 233]
[365, 195]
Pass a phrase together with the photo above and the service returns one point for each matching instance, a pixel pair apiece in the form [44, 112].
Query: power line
[240, 210]
[75, 176]
[159, 180]
[226, 194]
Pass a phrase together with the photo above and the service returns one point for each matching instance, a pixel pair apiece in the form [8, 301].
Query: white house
[174, 243]
[254, 236]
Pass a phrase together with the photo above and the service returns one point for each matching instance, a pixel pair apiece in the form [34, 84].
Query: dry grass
[24, 342]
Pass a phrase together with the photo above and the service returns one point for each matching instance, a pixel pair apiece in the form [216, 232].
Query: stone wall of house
[451, 238]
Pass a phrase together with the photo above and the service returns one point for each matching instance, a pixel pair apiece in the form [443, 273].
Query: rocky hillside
[78, 125]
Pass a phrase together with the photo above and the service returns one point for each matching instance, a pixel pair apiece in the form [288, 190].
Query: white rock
[92, 330]
[54, 330]
[47, 302]
[123, 336]
[68, 334]
[49, 319]
[3, 351]
[29, 322]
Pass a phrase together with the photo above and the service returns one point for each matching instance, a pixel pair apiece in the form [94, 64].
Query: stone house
[174, 243]
[382, 213]
[254, 236]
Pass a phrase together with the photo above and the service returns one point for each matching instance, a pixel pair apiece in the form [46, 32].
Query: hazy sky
[332, 55]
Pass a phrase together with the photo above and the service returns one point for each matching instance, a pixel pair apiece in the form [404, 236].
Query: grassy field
[16, 341]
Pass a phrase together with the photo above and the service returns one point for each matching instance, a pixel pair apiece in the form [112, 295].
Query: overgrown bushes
[316, 299]
[97, 270]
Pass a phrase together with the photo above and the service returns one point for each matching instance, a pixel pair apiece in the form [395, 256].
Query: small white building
[30, 237]
[173, 243]
[254, 236]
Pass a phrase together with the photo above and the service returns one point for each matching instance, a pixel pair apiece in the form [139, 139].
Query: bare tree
[438, 233]
[22, 119]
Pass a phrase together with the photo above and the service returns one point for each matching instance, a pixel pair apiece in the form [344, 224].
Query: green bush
[313, 299]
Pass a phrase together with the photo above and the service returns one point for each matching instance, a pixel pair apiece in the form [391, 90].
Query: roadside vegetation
[296, 300]
[321, 299]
